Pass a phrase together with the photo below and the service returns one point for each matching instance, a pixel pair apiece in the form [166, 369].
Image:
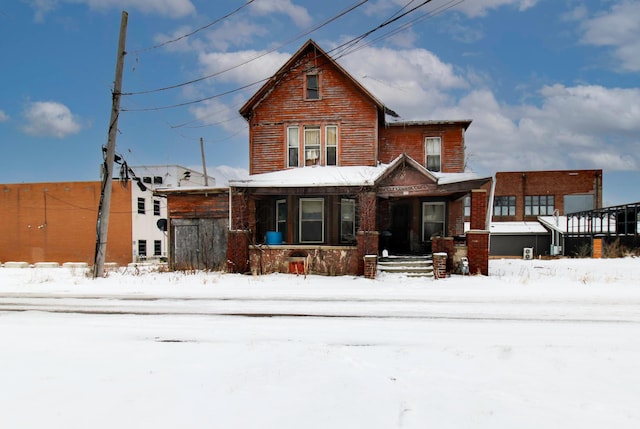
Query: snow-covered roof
[514, 228]
[557, 223]
[314, 177]
[320, 176]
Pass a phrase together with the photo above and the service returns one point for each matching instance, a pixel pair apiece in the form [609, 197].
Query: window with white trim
[432, 220]
[293, 146]
[433, 148]
[331, 144]
[347, 220]
[311, 146]
[311, 220]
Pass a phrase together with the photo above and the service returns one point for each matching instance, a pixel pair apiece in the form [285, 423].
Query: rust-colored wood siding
[396, 140]
[198, 206]
[341, 103]
[56, 222]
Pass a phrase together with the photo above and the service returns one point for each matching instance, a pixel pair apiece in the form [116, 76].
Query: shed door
[199, 244]
[186, 249]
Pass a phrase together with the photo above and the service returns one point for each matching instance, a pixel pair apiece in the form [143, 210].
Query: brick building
[528, 207]
[334, 180]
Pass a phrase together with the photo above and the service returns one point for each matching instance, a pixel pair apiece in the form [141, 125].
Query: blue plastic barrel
[274, 237]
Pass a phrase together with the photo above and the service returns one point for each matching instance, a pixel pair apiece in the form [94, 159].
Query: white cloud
[469, 8]
[49, 118]
[224, 173]
[617, 28]
[254, 69]
[169, 8]
[298, 14]
[3, 116]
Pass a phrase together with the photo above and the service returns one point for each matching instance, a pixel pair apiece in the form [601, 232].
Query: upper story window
[331, 144]
[156, 207]
[293, 146]
[312, 84]
[504, 206]
[538, 205]
[141, 206]
[433, 148]
[311, 145]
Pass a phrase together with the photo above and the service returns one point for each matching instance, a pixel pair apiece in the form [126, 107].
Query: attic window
[312, 87]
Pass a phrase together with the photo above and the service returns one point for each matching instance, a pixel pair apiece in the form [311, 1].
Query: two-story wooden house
[332, 180]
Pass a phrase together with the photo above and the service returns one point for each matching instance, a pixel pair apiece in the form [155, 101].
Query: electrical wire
[263, 54]
[204, 27]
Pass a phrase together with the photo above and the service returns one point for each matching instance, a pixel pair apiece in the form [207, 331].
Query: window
[156, 207]
[293, 146]
[504, 206]
[281, 217]
[467, 206]
[311, 220]
[142, 248]
[331, 144]
[311, 145]
[313, 87]
[347, 220]
[432, 151]
[538, 205]
[157, 248]
[432, 220]
[141, 208]
[146, 179]
[157, 180]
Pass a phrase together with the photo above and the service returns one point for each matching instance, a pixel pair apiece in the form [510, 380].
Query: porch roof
[348, 176]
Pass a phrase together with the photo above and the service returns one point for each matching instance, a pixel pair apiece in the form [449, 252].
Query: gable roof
[264, 91]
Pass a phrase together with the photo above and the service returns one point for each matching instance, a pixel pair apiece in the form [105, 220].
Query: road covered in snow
[536, 344]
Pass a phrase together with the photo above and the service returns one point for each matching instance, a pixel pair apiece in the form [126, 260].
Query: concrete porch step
[414, 266]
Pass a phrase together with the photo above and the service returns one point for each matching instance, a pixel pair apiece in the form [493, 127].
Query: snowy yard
[538, 344]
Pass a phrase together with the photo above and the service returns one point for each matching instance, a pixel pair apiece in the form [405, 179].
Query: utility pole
[204, 163]
[102, 226]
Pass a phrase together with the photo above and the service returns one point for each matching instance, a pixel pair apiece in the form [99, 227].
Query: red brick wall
[340, 103]
[56, 222]
[478, 209]
[556, 183]
[395, 140]
[478, 252]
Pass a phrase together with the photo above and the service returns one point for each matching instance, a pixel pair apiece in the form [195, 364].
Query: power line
[196, 30]
[263, 54]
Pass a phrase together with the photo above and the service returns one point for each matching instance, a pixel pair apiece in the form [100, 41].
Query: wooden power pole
[102, 226]
[204, 163]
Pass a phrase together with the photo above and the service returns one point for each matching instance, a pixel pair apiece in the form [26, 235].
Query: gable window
[347, 220]
[432, 150]
[504, 206]
[331, 144]
[311, 220]
[281, 217]
[312, 87]
[432, 220]
[311, 145]
[538, 205]
[141, 208]
[156, 207]
[293, 146]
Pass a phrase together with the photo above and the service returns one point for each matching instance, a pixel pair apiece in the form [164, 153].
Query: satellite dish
[162, 224]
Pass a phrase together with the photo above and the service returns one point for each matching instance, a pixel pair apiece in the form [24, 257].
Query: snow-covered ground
[538, 344]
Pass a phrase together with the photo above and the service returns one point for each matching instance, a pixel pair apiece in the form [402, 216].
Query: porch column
[367, 234]
[478, 235]
[239, 233]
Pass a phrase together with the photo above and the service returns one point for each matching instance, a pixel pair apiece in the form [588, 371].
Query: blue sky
[549, 84]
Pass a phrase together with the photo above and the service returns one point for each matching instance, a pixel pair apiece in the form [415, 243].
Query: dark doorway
[400, 224]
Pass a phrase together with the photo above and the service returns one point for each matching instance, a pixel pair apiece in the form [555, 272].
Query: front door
[400, 224]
